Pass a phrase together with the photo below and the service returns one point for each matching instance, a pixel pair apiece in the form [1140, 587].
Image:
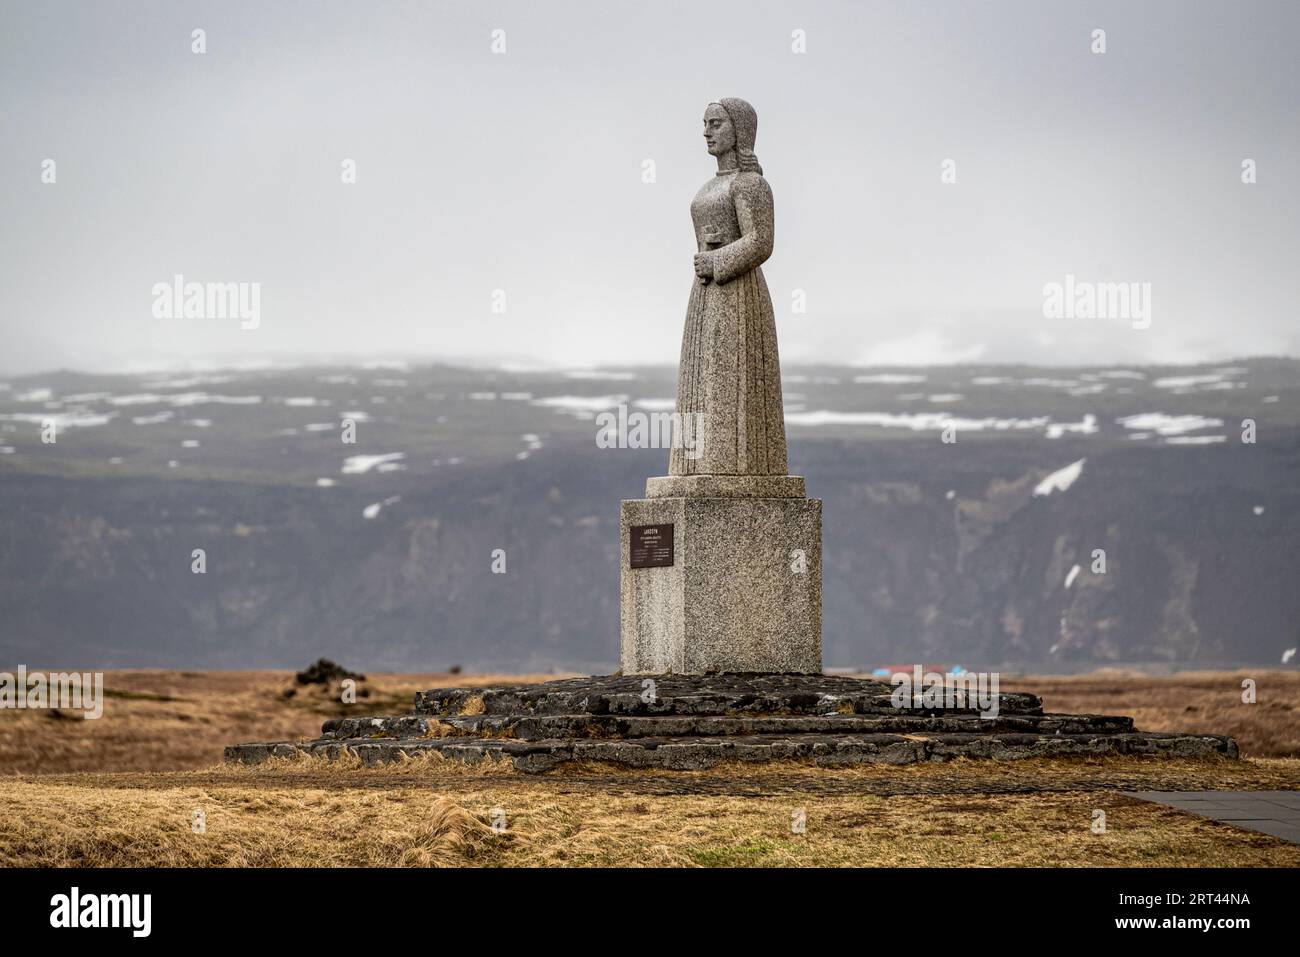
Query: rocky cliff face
[1173, 541]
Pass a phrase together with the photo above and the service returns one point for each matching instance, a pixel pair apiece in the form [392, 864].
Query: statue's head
[731, 124]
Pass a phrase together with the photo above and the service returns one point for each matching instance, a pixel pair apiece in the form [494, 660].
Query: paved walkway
[1271, 812]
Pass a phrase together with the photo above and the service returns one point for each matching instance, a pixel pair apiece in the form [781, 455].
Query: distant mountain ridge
[378, 554]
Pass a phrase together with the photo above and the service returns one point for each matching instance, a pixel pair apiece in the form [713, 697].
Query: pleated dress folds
[729, 379]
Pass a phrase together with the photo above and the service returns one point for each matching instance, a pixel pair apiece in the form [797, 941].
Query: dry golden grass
[172, 720]
[1193, 701]
[248, 826]
[311, 813]
[162, 734]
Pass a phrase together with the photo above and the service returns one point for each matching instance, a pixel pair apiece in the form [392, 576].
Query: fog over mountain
[516, 162]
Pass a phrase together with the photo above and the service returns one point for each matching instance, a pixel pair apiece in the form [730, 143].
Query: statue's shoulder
[751, 186]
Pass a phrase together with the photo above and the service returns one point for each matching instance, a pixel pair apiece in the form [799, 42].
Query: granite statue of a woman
[729, 380]
[721, 561]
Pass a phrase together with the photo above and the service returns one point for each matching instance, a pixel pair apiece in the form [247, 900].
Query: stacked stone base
[692, 722]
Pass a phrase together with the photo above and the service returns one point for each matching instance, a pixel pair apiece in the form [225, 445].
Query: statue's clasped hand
[704, 267]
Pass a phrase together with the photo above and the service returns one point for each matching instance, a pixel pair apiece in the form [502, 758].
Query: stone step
[546, 726]
[721, 694]
[697, 721]
[695, 753]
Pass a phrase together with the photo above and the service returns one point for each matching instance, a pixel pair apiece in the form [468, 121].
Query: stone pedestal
[744, 590]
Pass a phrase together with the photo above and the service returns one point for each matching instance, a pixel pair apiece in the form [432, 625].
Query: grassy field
[431, 813]
[123, 790]
[178, 720]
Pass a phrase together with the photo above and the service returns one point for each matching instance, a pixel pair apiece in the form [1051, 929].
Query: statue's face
[719, 134]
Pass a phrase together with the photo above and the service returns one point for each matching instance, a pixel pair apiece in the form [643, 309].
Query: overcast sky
[522, 171]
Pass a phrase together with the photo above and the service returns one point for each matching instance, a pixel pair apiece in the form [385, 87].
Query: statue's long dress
[730, 371]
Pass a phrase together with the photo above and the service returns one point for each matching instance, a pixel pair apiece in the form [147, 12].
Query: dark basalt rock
[697, 721]
[323, 672]
[716, 694]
